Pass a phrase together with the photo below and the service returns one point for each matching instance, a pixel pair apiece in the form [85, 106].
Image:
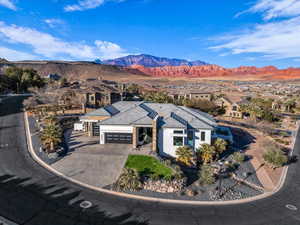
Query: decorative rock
[163, 186]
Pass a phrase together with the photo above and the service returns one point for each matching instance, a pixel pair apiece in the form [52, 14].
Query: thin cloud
[83, 5]
[278, 39]
[52, 22]
[48, 46]
[8, 4]
[271, 9]
[14, 55]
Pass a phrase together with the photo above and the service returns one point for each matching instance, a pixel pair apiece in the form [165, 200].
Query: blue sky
[229, 33]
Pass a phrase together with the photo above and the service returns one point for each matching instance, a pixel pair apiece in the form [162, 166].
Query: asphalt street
[31, 195]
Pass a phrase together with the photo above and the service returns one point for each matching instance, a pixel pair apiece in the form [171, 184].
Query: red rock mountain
[268, 72]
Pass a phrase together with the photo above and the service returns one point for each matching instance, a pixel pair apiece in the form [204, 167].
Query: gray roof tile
[143, 113]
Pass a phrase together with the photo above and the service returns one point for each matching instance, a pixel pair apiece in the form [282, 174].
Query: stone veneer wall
[154, 134]
[134, 138]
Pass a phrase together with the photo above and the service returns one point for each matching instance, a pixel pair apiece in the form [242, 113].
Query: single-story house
[192, 96]
[164, 127]
[232, 105]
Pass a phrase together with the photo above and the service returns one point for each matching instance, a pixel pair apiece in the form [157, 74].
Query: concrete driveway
[92, 163]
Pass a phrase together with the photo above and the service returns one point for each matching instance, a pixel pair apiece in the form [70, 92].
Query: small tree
[185, 155]
[239, 157]
[220, 146]
[275, 158]
[51, 136]
[206, 153]
[129, 180]
[206, 175]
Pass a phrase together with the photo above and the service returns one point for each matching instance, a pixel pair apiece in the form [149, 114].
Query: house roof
[236, 99]
[111, 110]
[143, 113]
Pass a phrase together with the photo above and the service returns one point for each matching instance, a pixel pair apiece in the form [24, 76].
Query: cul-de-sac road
[31, 195]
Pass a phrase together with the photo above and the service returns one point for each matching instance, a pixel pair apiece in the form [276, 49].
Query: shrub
[154, 176]
[178, 176]
[168, 162]
[220, 146]
[239, 157]
[177, 168]
[168, 178]
[191, 192]
[129, 180]
[275, 158]
[206, 175]
[185, 155]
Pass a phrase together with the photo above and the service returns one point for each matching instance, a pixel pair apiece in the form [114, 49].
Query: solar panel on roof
[112, 110]
[152, 114]
[178, 118]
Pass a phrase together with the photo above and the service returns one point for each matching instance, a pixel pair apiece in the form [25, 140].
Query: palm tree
[220, 146]
[185, 155]
[51, 136]
[206, 153]
[290, 104]
[51, 119]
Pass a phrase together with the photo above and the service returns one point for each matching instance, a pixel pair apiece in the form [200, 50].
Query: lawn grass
[147, 165]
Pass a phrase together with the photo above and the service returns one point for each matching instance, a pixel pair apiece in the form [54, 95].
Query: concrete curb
[136, 197]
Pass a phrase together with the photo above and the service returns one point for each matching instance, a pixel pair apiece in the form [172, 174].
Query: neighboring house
[96, 99]
[279, 106]
[93, 99]
[53, 76]
[193, 96]
[284, 105]
[231, 105]
[201, 96]
[163, 127]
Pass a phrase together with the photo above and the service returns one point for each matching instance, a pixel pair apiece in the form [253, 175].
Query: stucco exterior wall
[165, 140]
[198, 141]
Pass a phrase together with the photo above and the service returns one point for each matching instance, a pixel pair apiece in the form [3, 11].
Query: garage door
[118, 138]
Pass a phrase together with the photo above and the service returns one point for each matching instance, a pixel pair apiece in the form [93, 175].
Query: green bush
[178, 176]
[239, 157]
[154, 176]
[129, 180]
[275, 158]
[168, 178]
[206, 175]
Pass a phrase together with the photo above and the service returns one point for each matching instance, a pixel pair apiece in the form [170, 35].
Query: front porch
[143, 138]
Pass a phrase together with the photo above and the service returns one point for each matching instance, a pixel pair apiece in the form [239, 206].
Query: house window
[234, 108]
[178, 141]
[178, 131]
[92, 98]
[190, 137]
[203, 136]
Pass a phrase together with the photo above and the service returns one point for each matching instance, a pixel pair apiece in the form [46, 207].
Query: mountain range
[149, 61]
[129, 69]
[219, 72]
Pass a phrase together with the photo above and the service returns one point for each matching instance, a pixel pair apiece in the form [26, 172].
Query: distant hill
[81, 70]
[75, 70]
[151, 61]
